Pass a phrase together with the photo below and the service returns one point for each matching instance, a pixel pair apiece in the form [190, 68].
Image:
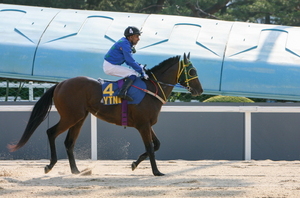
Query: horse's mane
[168, 62]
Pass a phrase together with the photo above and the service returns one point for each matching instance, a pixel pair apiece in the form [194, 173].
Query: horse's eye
[192, 72]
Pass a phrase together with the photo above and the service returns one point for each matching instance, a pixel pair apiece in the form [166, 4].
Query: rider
[121, 52]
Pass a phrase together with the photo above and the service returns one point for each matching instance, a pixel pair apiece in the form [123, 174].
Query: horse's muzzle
[195, 92]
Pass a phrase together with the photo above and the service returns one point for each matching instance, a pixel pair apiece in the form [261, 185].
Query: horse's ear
[185, 59]
[188, 56]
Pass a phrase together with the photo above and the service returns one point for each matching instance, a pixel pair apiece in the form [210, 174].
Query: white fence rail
[247, 110]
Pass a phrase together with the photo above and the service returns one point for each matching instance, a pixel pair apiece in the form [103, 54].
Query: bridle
[186, 73]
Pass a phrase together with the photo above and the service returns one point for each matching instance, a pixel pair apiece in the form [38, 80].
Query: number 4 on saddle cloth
[111, 89]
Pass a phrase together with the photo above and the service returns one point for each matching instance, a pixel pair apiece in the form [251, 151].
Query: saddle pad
[110, 90]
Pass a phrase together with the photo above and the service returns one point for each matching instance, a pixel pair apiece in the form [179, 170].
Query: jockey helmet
[131, 30]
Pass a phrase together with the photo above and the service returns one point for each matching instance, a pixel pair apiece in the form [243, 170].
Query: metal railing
[247, 110]
[30, 86]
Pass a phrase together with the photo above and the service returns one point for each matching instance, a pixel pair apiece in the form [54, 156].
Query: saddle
[110, 90]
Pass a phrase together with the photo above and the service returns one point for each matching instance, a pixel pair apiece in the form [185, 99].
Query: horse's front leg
[150, 151]
[142, 157]
[147, 139]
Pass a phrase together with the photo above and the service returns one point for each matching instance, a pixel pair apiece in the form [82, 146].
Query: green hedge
[228, 99]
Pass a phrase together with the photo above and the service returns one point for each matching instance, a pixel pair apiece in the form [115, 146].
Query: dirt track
[183, 179]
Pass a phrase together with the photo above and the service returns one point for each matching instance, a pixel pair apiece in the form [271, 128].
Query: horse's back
[76, 91]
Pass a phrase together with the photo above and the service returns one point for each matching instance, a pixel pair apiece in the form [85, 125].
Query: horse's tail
[39, 113]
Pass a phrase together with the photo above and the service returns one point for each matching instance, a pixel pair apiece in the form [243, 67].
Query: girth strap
[124, 113]
[151, 93]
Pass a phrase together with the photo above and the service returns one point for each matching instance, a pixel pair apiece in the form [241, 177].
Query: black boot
[123, 91]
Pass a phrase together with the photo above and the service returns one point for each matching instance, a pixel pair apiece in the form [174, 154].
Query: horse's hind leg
[144, 156]
[70, 143]
[52, 133]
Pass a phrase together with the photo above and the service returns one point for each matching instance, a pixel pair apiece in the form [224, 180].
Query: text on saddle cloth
[110, 91]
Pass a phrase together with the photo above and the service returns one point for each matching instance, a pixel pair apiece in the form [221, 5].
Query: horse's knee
[68, 144]
[150, 150]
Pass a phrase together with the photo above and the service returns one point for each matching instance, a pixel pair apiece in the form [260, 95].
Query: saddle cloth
[110, 90]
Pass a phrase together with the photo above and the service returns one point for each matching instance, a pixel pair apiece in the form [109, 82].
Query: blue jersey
[121, 52]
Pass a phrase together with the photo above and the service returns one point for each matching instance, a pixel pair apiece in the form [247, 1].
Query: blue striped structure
[232, 58]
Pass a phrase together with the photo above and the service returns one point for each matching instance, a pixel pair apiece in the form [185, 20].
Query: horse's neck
[168, 78]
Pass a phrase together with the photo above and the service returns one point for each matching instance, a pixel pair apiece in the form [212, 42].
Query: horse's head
[188, 77]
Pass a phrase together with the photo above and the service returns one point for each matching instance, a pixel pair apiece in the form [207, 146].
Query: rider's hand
[143, 66]
[144, 75]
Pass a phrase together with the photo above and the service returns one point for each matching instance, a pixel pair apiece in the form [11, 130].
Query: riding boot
[123, 91]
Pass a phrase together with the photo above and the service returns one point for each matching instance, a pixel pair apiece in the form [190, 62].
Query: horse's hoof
[47, 169]
[75, 172]
[158, 174]
[133, 166]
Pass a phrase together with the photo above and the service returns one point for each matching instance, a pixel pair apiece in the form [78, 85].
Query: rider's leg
[117, 70]
[123, 91]
[120, 71]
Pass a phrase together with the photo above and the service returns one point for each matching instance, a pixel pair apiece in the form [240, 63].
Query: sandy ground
[204, 178]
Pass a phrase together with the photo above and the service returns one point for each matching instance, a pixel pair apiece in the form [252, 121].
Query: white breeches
[118, 70]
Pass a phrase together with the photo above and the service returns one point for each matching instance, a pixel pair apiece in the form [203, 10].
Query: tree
[75, 4]
[281, 12]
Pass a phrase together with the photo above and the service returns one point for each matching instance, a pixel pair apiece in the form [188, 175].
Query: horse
[76, 97]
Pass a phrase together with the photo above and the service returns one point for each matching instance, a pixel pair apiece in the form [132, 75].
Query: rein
[183, 75]
[151, 93]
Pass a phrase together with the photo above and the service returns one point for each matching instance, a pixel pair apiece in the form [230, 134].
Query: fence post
[30, 87]
[93, 137]
[247, 135]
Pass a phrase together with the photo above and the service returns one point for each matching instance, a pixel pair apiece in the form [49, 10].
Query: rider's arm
[129, 59]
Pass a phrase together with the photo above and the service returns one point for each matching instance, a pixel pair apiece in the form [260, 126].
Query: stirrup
[126, 97]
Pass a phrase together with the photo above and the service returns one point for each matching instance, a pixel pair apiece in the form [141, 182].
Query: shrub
[228, 99]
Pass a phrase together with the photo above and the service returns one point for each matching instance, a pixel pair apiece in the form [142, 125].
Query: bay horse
[74, 98]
